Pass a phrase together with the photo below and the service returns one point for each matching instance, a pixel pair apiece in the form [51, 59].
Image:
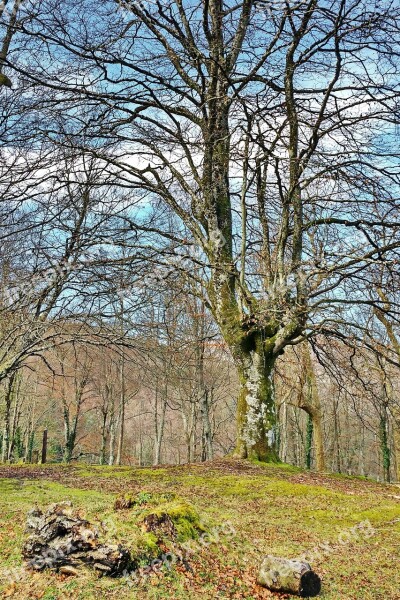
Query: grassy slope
[273, 509]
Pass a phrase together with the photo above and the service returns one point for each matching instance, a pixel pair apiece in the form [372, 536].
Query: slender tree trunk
[362, 449]
[283, 426]
[193, 420]
[309, 440]
[121, 416]
[385, 449]
[121, 429]
[336, 438]
[7, 418]
[70, 424]
[204, 406]
[111, 456]
[160, 423]
[67, 437]
[396, 441]
[29, 449]
[187, 420]
[206, 423]
[70, 438]
[318, 434]
[310, 402]
[44, 447]
[104, 435]
[14, 426]
[140, 447]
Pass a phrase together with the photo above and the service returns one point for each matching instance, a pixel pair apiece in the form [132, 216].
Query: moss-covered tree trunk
[5, 454]
[384, 441]
[256, 414]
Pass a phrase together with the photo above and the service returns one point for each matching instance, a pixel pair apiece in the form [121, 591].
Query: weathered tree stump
[58, 538]
[123, 503]
[289, 576]
[160, 524]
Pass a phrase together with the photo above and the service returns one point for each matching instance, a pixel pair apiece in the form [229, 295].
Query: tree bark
[289, 576]
[318, 434]
[384, 443]
[396, 441]
[121, 416]
[309, 438]
[207, 446]
[159, 422]
[256, 407]
[310, 402]
[70, 432]
[104, 435]
[44, 448]
[336, 438]
[207, 450]
[7, 418]
[111, 456]
[283, 425]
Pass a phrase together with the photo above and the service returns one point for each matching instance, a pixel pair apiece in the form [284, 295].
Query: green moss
[270, 508]
[382, 514]
[184, 516]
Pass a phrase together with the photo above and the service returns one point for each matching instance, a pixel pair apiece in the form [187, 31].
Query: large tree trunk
[256, 407]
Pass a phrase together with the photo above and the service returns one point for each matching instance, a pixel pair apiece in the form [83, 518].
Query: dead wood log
[58, 538]
[289, 576]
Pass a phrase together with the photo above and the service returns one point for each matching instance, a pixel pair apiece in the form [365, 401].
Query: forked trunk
[256, 436]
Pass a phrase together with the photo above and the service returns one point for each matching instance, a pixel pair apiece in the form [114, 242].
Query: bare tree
[260, 131]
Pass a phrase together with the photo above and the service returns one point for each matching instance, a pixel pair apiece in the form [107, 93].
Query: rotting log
[289, 576]
[58, 538]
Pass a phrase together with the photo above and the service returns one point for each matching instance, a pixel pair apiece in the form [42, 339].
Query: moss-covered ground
[348, 527]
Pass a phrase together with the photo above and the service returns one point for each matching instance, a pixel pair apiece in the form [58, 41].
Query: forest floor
[348, 527]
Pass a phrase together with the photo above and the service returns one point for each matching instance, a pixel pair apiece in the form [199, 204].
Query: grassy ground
[349, 528]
